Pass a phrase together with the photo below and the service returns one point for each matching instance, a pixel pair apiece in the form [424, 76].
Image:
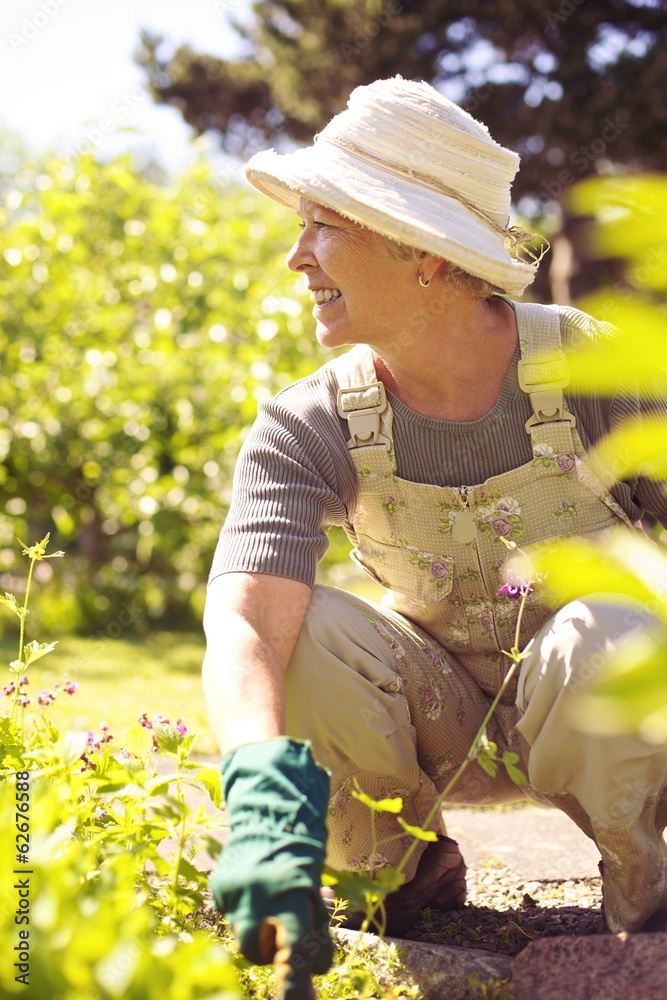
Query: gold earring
[424, 284]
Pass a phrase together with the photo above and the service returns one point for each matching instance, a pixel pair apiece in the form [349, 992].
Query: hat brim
[401, 208]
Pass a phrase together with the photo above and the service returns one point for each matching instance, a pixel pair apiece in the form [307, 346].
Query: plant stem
[472, 753]
[23, 612]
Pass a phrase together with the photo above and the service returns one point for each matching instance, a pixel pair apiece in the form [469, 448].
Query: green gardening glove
[268, 876]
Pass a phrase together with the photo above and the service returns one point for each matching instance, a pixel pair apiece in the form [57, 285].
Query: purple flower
[565, 462]
[515, 590]
[45, 698]
[429, 695]
[143, 721]
[181, 728]
[501, 526]
[70, 687]
[439, 569]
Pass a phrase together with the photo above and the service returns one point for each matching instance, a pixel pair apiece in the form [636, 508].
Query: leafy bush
[140, 323]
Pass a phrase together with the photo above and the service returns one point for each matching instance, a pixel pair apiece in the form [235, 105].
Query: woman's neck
[456, 369]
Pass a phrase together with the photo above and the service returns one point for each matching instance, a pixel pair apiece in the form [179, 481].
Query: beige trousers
[391, 711]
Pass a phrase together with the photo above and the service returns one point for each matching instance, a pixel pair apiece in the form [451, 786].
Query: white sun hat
[407, 162]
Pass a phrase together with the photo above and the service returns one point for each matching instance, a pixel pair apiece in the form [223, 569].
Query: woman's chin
[331, 336]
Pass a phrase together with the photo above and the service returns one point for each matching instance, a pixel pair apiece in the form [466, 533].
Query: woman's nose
[301, 256]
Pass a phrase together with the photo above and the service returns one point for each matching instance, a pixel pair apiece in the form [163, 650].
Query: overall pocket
[404, 569]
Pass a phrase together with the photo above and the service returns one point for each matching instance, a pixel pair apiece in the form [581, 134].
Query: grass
[121, 678]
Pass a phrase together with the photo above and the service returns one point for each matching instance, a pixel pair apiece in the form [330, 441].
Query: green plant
[107, 843]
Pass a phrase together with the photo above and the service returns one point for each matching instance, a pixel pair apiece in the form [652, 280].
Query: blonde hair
[456, 277]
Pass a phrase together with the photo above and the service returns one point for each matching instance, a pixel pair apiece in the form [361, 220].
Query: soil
[504, 914]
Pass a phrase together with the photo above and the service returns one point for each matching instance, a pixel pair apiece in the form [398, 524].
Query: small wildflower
[70, 687]
[100, 813]
[38, 550]
[181, 728]
[88, 764]
[144, 721]
[106, 735]
[515, 590]
[8, 689]
[160, 720]
[23, 680]
[45, 698]
[23, 700]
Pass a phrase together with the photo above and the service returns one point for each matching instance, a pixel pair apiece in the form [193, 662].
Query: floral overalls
[438, 549]
[392, 696]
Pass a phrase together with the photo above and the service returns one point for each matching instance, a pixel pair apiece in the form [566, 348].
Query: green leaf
[516, 774]
[356, 887]
[417, 832]
[637, 351]
[36, 650]
[209, 777]
[623, 564]
[487, 765]
[188, 871]
[9, 601]
[636, 448]
[138, 741]
[630, 695]
[379, 805]
[71, 746]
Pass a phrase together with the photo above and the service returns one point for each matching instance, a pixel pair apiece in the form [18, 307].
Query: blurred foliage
[564, 84]
[139, 326]
[629, 216]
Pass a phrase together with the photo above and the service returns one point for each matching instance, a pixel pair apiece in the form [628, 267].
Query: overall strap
[362, 401]
[543, 373]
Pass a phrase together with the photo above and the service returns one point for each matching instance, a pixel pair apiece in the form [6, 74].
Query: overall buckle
[363, 424]
[544, 382]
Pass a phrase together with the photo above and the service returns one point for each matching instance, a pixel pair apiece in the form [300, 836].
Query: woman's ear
[429, 266]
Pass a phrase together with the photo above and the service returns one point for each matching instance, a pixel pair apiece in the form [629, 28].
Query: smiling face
[362, 294]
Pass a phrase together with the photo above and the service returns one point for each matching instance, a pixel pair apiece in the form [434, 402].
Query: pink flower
[565, 462]
[70, 687]
[45, 698]
[23, 700]
[430, 699]
[9, 688]
[439, 569]
[508, 505]
[515, 590]
[143, 721]
[501, 526]
[180, 727]
[24, 680]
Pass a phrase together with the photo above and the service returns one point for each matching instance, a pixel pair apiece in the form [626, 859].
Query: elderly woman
[441, 433]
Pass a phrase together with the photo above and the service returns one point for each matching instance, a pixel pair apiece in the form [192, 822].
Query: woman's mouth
[323, 297]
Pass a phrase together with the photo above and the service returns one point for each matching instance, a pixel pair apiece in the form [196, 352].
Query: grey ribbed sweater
[294, 478]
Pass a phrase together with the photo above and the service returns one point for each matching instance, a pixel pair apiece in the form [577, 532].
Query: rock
[607, 967]
[439, 970]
